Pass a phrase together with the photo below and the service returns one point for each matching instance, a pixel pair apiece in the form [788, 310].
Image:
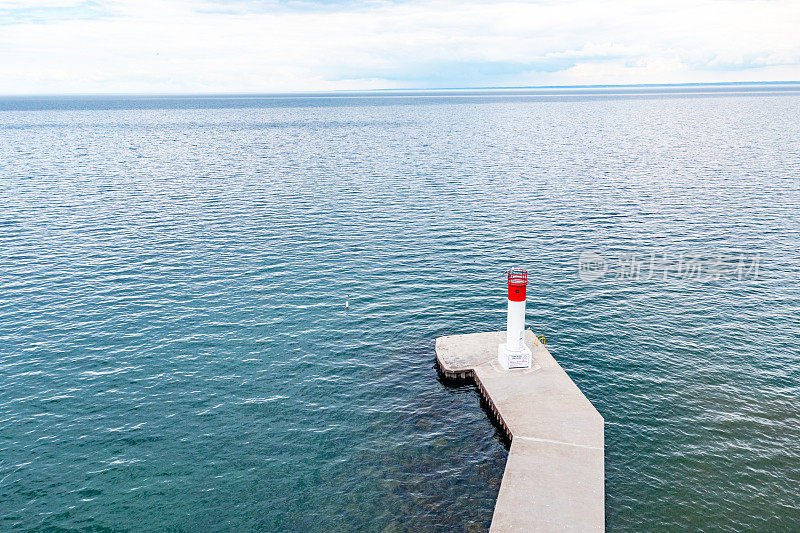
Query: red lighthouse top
[517, 281]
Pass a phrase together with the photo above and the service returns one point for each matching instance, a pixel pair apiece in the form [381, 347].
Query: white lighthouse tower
[514, 353]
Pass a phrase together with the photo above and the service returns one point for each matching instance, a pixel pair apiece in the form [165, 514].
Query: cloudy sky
[179, 46]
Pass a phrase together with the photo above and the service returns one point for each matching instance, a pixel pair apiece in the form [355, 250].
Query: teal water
[175, 352]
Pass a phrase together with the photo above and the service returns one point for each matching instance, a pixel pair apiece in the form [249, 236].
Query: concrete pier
[554, 476]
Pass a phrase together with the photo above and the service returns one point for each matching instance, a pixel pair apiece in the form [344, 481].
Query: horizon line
[411, 90]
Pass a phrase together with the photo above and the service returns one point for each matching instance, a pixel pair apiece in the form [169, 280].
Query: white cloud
[182, 46]
[37, 4]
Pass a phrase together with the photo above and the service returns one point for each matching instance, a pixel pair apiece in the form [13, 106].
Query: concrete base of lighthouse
[554, 476]
[510, 359]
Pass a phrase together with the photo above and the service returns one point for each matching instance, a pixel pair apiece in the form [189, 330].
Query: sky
[262, 46]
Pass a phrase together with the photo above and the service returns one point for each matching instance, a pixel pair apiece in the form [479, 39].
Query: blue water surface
[175, 351]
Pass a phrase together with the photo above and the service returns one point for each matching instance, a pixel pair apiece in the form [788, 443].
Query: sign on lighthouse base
[509, 359]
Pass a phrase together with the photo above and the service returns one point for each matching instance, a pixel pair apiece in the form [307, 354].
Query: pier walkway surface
[554, 476]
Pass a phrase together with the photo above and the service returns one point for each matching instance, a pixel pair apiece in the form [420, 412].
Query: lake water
[175, 352]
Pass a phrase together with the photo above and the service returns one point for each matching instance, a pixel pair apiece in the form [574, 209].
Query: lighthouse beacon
[514, 353]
